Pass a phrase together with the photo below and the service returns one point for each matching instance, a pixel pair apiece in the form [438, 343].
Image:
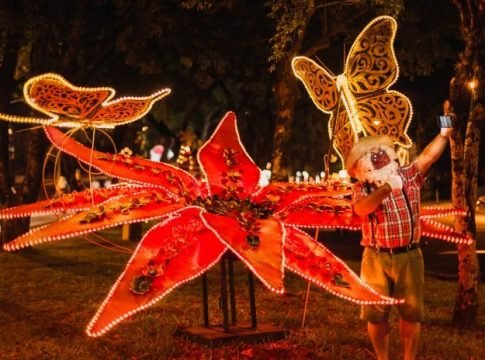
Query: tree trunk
[11, 228]
[465, 157]
[466, 303]
[286, 95]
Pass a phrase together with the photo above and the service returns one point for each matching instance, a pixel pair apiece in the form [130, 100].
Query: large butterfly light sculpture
[70, 106]
[359, 99]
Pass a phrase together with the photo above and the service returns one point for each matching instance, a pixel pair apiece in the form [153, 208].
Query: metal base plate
[215, 335]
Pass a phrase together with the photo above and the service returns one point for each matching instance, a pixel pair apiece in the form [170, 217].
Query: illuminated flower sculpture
[201, 220]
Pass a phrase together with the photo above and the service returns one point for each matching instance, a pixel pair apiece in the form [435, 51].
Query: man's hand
[395, 182]
[448, 111]
[368, 204]
[446, 132]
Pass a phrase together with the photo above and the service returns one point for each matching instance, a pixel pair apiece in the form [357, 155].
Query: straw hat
[363, 146]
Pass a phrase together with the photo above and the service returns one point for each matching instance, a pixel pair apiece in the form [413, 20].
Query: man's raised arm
[433, 151]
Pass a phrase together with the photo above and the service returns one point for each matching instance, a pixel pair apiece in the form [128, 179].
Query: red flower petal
[225, 162]
[137, 207]
[133, 169]
[179, 250]
[266, 259]
[76, 201]
[282, 195]
[316, 263]
[321, 212]
[434, 229]
[432, 212]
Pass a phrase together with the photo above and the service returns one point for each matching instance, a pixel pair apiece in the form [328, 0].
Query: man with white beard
[387, 197]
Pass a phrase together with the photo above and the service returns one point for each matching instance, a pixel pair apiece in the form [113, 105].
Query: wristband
[444, 136]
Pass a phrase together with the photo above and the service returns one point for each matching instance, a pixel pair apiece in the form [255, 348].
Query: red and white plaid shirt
[395, 222]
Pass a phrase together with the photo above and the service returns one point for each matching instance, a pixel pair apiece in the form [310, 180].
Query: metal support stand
[218, 334]
[223, 302]
[307, 295]
[252, 300]
[205, 303]
[232, 293]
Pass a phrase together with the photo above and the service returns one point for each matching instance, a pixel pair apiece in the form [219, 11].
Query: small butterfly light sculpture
[70, 106]
[359, 99]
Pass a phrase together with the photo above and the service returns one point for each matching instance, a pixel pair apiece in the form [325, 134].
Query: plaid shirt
[392, 224]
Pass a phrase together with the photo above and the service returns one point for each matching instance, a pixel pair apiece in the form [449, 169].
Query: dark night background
[218, 56]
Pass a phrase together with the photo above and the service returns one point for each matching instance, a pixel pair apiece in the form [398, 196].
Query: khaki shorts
[398, 275]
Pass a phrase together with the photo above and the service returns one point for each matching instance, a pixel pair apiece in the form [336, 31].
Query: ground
[49, 293]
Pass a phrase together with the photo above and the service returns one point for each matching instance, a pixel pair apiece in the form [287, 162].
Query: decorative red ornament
[201, 220]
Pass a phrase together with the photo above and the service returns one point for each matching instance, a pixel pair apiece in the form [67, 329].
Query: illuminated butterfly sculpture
[359, 99]
[202, 219]
[361, 104]
[69, 106]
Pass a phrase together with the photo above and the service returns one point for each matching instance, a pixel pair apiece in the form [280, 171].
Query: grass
[49, 293]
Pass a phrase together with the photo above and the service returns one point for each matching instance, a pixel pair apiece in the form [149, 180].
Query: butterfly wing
[388, 113]
[319, 83]
[125, 110]
[322, 88]
[371, 68]
[341, 130]
[53, 95]
[371, 65]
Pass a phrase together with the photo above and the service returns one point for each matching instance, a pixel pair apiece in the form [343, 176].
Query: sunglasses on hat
[379, 159]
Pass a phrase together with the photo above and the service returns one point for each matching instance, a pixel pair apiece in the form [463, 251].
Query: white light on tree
[170, 154]
[156, 153]
[305, 175]
[265, 175]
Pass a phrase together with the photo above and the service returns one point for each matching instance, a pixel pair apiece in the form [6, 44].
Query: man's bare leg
[379, 336]
[409, 336]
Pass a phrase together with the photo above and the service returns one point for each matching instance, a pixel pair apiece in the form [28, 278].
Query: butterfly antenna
[324, 66]
[29, 129]
[344, 55]
[90, 173]
[326, 157]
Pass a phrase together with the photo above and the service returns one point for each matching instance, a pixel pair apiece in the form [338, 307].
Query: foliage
[215, 55]
[290, 17]
[434, 40]
[198, 62]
